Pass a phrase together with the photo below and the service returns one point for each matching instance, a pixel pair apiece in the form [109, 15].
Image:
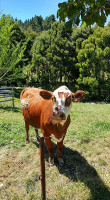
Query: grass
[86, 152]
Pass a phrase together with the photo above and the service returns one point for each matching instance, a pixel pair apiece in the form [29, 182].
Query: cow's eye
[53, 98]
[70, 99]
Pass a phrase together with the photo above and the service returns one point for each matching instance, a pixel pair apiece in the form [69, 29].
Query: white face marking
[60, 101]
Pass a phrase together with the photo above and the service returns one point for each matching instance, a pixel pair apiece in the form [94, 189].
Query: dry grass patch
[19, 171]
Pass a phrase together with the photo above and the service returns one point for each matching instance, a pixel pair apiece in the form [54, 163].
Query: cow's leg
[59, 153]
[37, 135]
[50, 147]
[27, 131]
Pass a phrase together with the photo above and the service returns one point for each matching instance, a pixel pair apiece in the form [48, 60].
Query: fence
[7, 94]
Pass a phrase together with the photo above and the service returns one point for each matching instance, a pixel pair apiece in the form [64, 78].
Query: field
[86, 153]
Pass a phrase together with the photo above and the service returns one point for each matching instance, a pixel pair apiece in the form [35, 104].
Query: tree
[37, 24]
[50, 54]
[31, 34]
[12, 47]
[78, 35]
[40, 68]
[48, 22]
[94, 64]
[84, 12]
[59, 51]
[54, 54]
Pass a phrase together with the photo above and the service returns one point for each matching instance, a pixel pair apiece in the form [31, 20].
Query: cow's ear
[77, 96]
[46, 94]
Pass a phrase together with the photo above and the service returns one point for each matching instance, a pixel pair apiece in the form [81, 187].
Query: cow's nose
[59, 115]
[54, 113]
[62, 115]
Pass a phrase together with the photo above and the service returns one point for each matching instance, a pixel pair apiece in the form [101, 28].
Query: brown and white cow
[49, 111]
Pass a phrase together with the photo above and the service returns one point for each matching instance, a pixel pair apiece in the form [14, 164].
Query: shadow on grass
[76, 168]
[9, 108]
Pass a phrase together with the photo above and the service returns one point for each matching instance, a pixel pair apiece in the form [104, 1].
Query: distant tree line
[43, 53]
[37, 23]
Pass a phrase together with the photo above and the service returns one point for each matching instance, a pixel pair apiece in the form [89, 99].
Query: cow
[50, 112]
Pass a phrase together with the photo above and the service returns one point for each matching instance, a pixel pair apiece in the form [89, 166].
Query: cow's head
[62, 101]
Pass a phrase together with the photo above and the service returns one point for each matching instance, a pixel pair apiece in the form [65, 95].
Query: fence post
[13, 97]
[42, 164]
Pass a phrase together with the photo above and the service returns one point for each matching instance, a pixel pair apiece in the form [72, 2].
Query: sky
[26, 9]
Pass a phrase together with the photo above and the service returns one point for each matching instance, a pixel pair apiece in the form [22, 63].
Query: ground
[86, 152]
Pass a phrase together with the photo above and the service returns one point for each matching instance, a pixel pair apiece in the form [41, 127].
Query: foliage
[37, 23]
[46, 24]
[78, 57]
[12, 48]
[39, 63]
[54, 54]
[94, 64]
[50, 54]
[84, 12]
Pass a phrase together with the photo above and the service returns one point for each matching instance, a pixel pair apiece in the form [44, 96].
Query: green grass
[86, 153]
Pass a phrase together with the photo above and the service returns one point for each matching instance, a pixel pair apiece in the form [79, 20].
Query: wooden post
[13, 97]
[42, 164]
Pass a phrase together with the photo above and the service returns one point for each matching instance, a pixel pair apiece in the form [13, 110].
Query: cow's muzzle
[58, 115]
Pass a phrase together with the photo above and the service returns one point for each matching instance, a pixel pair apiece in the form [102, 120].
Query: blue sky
[26, 9]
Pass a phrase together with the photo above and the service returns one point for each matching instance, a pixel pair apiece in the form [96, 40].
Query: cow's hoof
[38, 138]
[26, 141]
[51, 162]
[61, 162]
